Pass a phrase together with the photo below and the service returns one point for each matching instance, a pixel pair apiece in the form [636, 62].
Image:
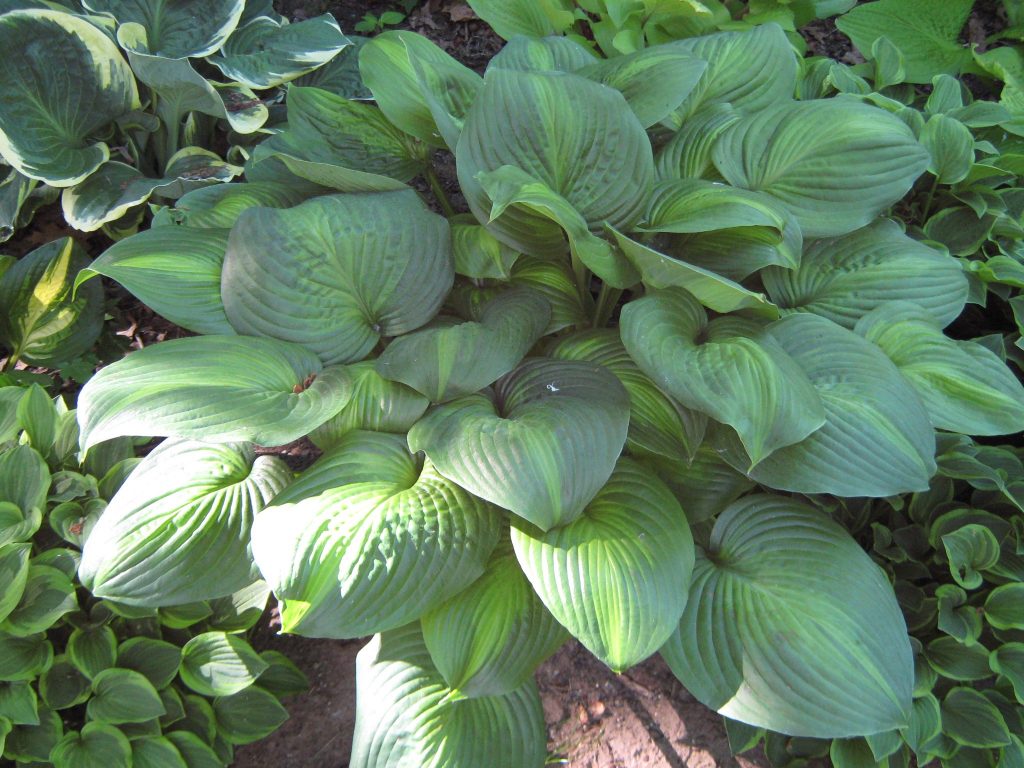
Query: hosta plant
[624, 398]
[90, 682]
[115, 102]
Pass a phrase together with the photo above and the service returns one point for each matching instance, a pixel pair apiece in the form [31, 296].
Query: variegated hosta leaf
[332, 130]
[575, 136]
[419, 87]
[835, 164]
[376, 404]
[180, 89]
[877, 439]
[542, 447]
[791, 626]
[108, 194]
[262, 53]
[219, 207]
[14, 568]
[176, 29]
[963, 385]
[407, 716]
[657, 424]
[729, 368]
[41, 323]
[844, 278]
[489, 638]
[178, 530]
[510, 187]
[219, 388]
[341, 74]
[733, 232]
[712, 290]
[654, 81]
[617, 577]
[173, 270]
[336, 273]
[749, 70]
[24, 482]
[368, 555]
[96, 744]
[64, 83]
[445, 361]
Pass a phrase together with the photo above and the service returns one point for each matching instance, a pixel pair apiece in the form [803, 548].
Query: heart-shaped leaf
[48, 595]
[66, 82]
[729, 368]
[877, 439]
[542, 448]
[248, 715]
[964, 386]
[177, 30]
[178, 530]
[372, 543]
[123, 696]
[173, 270]
[221, 388]
[617, 577]
[844, 278]
[336, 273]
[14, 567]
[447, 361]
[96, 744]
[791, 626]
[219, 664]
[219, 206]
[834, 163]
[489, 639]
[574, 136]
[406, 715]
[156, 752]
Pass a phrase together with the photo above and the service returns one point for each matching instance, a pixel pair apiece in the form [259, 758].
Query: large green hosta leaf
[449, 360]
[173, 270]
[336, 273]
[877, 439]
[376, 404]
[41, 323]
[178, 530]
[220, 388]
[791, 626]
[657, 424]
[489, 639]
[555, 54]
[64, 83]
[367, 555]
[964, 386]
[262, 53]
[219, 207]
[407, 716]
[573, 135]
[729, 368]
[176, 29]
[542, 447]
[834, 163]
[115, 188]
[846, 277]
[534, 18]
[617, 577]
[750, 70]
[421, 89]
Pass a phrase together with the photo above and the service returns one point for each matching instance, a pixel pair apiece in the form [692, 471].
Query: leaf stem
[606, 301]
[438, 190]
[10, 362]
[928, 201]
[582, 276]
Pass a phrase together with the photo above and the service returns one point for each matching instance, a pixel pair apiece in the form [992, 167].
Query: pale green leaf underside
[617, 577]
[336, 273]
[542, 448]
[406, 716]
[64, 82]
[178, 530]
[220, 388]
[790, 626]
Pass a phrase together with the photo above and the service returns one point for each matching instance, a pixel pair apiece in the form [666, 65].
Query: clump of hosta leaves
[117, 102]
[86, 681]
[618, 400]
